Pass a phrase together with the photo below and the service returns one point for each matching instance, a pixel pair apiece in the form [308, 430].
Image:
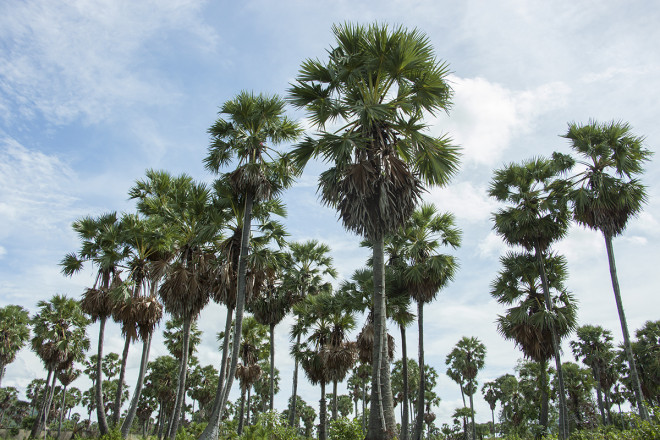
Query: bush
[345, 429]
[270, 426]
[113, 434]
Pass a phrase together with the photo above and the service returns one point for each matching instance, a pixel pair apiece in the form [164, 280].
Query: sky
[93, 93]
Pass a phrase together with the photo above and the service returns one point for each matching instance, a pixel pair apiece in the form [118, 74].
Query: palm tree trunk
[240, 299]
[419, 412]
[492, 415]
[563, 419]
[599, 394]
[474, 427]
[364, 406]
[212, 428]
[545, 395]
[334, 399]
[183, 370]
[247, 416]
[294, 392]
[100, 406]
[382, 422]
[132, 410]
[241, 414]
[37, 426]
[624, 329]
[323, 414]
[59, 424]
[272, 365]
[607, 406]
[404, 372]
[116, 407]
[2, 371]
[161, 420]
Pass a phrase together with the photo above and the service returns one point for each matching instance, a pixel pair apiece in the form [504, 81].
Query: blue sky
[93, 93]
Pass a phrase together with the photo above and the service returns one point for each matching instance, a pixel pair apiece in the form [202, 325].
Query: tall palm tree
[594, 346]
[14, 334]
[59, 339]
[427, 272]
[377, 85]
[536, 215]
[469, 355]
[185, 207]
[527, 320]
[253, 121]
[102, 246]
[308, 270]
[608, 194]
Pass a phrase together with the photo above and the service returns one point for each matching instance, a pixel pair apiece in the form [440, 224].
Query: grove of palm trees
[212, 311]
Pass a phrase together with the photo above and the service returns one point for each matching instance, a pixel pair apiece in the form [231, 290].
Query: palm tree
[607, 195]
[59, 339]
[306, 275]
[489, 390]
[102, 246]
[147, 245]
[248, 372]
[65, 376]
[14, 333]
[469, 356]
[326, 355]
[427, 272]
[377, 84]
[527, 320]
[594, 346]
[536, 216]
[185, 207]
[253, 122]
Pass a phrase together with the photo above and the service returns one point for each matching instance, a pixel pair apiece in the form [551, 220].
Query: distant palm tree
[489, 390]
[607, 195]
[306, 275]
[527, 321]
[14, 333]
[536, 216]
[248, 371]
[185, 208]
[377, 85]
[252, 122]
[326, 355]
[469, 357]
[427, 271]
[102, 246]
[65, 376]
[59, 339]
[594, 347]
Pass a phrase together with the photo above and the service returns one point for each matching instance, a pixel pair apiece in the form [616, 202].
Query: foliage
[345, 429]
[270, 426]
[113, 434]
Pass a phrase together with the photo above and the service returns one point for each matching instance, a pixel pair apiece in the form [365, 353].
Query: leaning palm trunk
[624, 329]
[563, 415]
[100, 407]
[132, 410]
[43, 408]
[183, 370]
[419, 411]
[211, 430]
[59, 424]
[382, 423]
[404, 370]
[120, 385]
[214, 420]
[294, 393]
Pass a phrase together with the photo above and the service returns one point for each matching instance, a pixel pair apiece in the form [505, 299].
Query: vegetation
[190, 243]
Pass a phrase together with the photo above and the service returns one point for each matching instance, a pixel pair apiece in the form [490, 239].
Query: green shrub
[345, 429]
[270, 426]
[113, 434]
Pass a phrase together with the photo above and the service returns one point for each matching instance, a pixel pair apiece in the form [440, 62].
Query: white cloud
[486, 116]
[469, 202]
[66, 60]
[36, 189]
[491, 246]
[3, 251]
